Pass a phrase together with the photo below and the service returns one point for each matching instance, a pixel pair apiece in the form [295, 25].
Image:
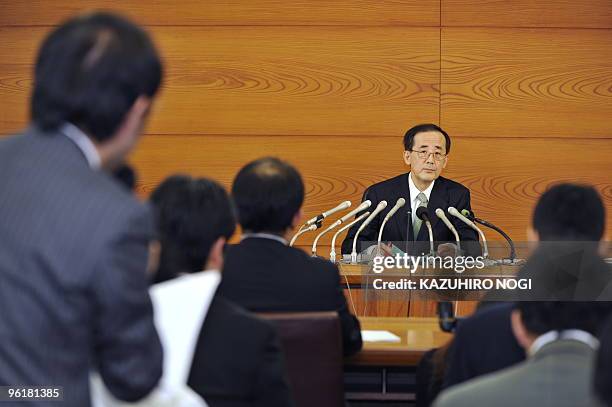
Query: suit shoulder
[314, 263]
[452, 185]
[484, 390]
[387, 184]
[229, 313]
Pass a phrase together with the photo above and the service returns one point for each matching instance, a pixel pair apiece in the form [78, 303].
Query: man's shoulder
[476, 328]
[225, 317]
[492, 389]
[390, 183]
[451, 185]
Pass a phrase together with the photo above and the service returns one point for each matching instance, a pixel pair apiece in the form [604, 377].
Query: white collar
[569, 334]
[264, 236]
[84, 144]
[414, 191]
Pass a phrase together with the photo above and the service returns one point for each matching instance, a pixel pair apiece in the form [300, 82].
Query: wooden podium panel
[365, 301]
[417, 335]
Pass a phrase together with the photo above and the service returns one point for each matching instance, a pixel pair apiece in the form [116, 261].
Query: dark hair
[421, 128]
[540, 317]
[603, 365]
[570, 212]
[268, 193]
[90, 71]
[191, 215]
[126, 176]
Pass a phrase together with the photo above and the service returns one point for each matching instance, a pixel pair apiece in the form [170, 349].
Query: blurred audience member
[559, 338]
[73, 290]
[567, 217]
[227, 355]
[262, 273]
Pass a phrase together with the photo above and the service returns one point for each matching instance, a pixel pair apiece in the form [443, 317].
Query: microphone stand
[501, 232]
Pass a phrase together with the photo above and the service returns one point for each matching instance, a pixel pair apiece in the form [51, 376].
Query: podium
[366, 301]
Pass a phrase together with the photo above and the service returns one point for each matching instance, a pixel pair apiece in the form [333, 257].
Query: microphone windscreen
[467, 214]
[422, 213]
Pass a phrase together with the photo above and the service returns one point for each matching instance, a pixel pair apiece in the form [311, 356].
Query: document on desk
[379, 336]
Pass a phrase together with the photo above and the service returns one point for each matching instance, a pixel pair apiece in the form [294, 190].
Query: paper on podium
[379, 336]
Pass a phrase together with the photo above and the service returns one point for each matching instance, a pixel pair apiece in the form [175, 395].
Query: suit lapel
[401, 220]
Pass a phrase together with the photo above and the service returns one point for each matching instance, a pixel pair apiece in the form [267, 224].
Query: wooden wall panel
[271, 80]
[526, 83]
[527, 13]
[506, 176]
[232, 12]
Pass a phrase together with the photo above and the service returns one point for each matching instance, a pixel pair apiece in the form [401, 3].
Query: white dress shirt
[414, 192]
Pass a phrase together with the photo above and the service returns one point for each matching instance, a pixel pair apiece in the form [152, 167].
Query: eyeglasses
[424, 154]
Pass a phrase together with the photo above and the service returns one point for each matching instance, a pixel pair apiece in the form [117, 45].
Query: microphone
[364, 205]
[453, 211]
[440, 213]
[303, 230]
[483, 222]
[381, 205]
[400, 202]
[424, 216]
[332, 253]
[344, 205]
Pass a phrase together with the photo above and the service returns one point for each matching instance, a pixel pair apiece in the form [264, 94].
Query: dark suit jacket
[264, 275]
[73, 290]
[483, 343]
[445, 193]
[238, 361]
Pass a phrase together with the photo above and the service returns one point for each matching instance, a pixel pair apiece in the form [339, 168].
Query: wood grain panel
[282, 80]
[233, 12]
[526, 83]
[527, 13]
[506, 176]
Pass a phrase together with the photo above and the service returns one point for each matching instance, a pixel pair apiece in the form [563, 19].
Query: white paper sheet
[379, 336]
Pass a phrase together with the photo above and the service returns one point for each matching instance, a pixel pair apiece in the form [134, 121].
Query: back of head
[268, 194]
[191, 215]
[540, 317]
[90, 71]
[569, 212]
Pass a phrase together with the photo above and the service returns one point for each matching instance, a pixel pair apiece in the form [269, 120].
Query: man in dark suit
[73, 242]
[262, 273]
[560, 340]
[236, 360]
[564, 213]
[426, 152]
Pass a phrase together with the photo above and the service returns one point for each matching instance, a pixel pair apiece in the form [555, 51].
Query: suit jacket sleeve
[369, 233]
[349, 324]
[272, 389]
[127, 348]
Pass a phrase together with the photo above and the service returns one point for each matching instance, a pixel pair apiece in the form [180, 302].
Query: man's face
[426, 169]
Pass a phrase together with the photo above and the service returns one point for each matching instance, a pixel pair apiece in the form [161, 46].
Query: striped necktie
[416, 226]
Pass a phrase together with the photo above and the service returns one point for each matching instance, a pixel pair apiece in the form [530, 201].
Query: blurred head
[99, 72]
[126, 176]
[568, 212]
[532, 319]
[268, 194]
[426, 147]
[603, 365]
[195, 218]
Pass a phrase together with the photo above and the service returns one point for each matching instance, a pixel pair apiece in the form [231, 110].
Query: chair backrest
[312, 346]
